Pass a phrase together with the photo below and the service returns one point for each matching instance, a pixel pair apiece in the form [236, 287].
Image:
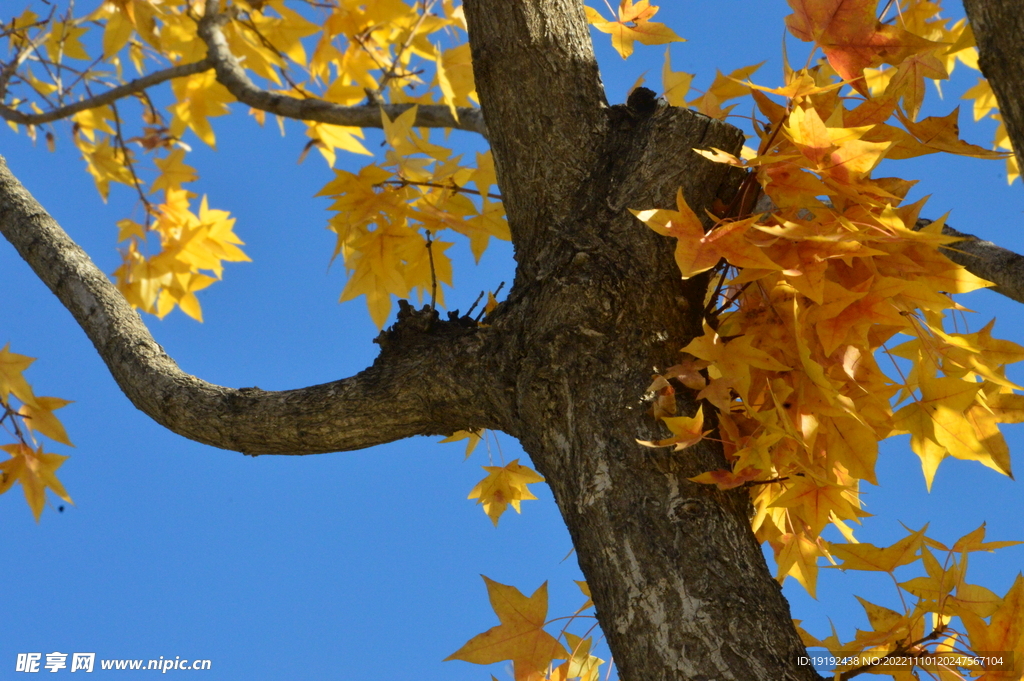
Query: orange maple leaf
[851, 37]
[520, 637]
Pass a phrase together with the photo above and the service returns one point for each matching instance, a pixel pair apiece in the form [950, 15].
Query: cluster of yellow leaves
[357, 51]
[190, 244]
[522, 639]
[925, 625]
[34, 468]
[822, 283]
[952, 44]
[387, 216]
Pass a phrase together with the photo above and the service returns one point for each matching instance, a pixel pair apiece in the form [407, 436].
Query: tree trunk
[680, 585]
[999, 30]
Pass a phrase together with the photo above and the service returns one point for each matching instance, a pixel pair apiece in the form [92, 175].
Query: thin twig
[729, 301]
[156, 118]
[495, 294]
[453, 187]
[85, 72]
[30, 46]
[131, 166]
[433, 274]
[772, 481]
[373, 96]
[390, 73]
[712, 322]
[475, 303]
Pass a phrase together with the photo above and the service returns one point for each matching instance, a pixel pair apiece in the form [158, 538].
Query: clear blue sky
[365, 564]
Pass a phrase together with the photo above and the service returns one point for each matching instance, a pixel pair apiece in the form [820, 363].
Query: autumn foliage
[827, 322]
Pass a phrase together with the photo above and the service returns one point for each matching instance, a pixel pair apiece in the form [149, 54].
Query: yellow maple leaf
[91, 120]
[400, 135]
[106, 163]
[173, 171]
[869, 557]
[581, 664]
[1004, 632]
[490, 221]
[984, 99]
[942, 133]
[377, 268]
[693, 255]
[975, 541]
[199, 98]
[686, 431]
[887, 625]
[633, 23]
[64, 40]
[472, 437]
[674, 83]
[814, 502]
[504, 485]
[520, 637]
[119, 27]
[940, 581]
[35, 470]
[39, 417]
[938, 425]
[585, 588]
[11, 380]
[285, 33]
[723, 88]
[799, 559]
[330, 137]
[458, 87]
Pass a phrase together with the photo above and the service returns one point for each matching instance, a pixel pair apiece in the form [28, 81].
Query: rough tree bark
[681, 588]
[999, 31]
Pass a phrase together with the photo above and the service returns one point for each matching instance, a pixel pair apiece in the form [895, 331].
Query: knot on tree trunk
[413, 325]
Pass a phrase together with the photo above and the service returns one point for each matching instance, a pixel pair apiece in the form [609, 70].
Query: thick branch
[984, 259]
[999, 30]
[232, 76]
[112, 95]
[430, 378]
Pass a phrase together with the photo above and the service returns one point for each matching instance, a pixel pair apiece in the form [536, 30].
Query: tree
[561, 365]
